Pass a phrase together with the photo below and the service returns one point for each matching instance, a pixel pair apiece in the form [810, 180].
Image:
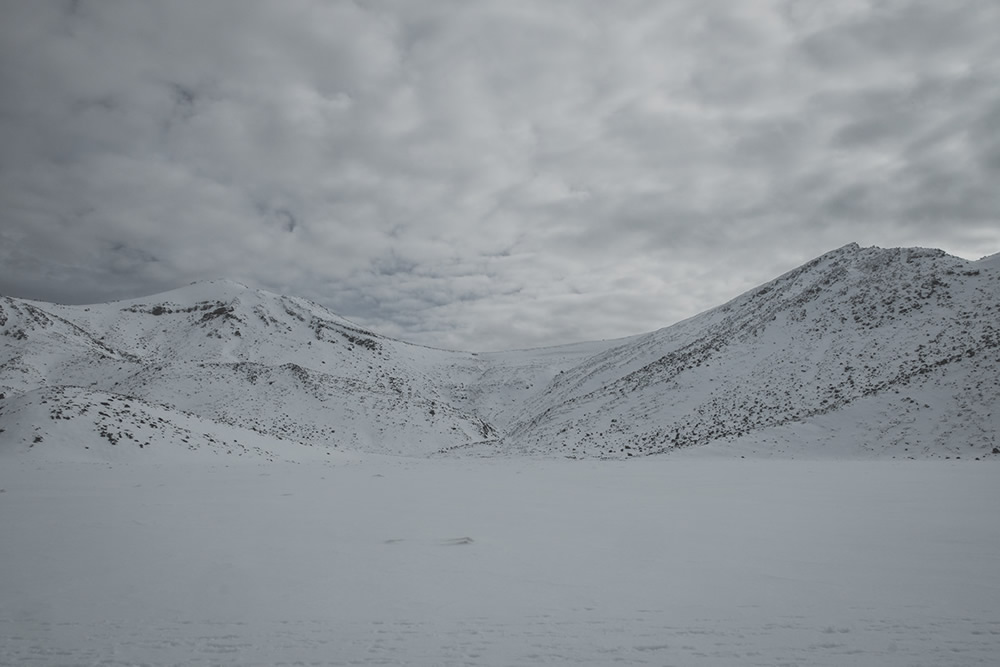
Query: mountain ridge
[834, 345]
[864, 292]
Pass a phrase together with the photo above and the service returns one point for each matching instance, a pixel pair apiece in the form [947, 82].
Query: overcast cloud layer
[496, 174]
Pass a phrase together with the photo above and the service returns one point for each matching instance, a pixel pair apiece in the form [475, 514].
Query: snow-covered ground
[362, 560]
[883, 353]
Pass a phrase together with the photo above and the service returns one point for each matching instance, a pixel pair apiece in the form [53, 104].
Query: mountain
[239, 358]
[860, 352]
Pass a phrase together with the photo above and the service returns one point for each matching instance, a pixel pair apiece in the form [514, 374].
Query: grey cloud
[485, 175]
[912, 31]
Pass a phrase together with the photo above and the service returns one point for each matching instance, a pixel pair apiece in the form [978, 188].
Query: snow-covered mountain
[254, 361]
[887, 352]
[859, 352]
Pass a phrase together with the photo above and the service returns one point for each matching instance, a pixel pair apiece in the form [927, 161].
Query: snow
[904, 338]
[219, 475]
[370, 560]
[873, 353]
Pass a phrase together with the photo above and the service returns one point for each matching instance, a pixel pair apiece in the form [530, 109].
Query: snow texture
[374, 560]
[223, 476]
[863, 352]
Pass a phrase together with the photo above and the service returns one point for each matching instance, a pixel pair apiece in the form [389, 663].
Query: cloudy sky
[488, 174]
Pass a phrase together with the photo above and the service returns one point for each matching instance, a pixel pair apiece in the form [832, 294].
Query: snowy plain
[219, 475]
[369, 560]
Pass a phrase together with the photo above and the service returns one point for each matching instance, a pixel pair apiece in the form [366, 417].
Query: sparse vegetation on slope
[894, 351]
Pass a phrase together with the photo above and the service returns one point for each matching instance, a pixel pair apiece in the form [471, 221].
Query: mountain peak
[884, 352]
[222, 283]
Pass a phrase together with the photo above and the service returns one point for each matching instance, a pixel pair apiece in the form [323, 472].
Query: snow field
[373, 561]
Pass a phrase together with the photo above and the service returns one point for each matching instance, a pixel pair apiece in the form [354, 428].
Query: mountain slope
[860, 352]
[73, 423]
[278, 365]
[908, 337]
